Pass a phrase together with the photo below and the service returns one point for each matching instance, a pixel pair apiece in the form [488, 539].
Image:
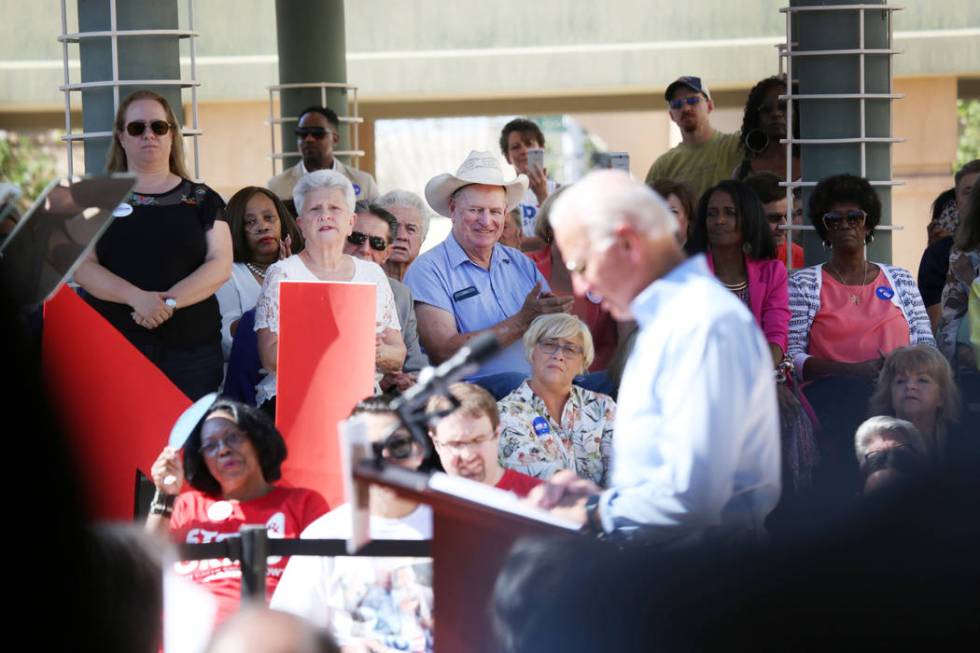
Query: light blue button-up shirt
[696, 443]
[446, 278]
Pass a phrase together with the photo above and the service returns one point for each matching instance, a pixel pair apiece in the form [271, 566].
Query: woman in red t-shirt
[231, 459]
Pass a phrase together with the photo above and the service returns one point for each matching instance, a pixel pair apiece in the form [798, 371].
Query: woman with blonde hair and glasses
[154, 272]
[549, 424]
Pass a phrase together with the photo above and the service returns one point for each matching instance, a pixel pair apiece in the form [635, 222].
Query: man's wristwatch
[593, 524]
[171, 302]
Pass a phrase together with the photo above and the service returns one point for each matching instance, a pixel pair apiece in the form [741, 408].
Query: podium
[471, 539]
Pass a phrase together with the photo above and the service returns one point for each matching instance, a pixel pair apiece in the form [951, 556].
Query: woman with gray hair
[549, 424]
[890, 451]
[325, 204]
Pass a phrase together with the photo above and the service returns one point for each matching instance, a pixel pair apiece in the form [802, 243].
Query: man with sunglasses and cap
[371, 604]
[469, 283]
[317, 132]
[704, 156]
[371, 240]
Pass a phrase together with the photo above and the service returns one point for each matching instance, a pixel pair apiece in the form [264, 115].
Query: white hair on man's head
[899, 430]
[323, 179]
[399, 197]
[605, 199]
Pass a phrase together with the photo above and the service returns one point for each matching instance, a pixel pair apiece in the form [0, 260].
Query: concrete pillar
[312, 48]
[139, 57]
[839, 30]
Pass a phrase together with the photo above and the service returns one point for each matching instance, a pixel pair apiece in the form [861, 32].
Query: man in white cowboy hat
[470, 283]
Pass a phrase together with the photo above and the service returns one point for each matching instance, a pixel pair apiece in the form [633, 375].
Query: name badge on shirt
[884, 292]
[540, 425]
[465, 293]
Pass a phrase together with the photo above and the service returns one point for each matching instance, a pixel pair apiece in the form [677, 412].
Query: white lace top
[293, 269]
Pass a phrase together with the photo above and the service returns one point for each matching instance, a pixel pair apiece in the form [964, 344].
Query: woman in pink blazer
[731, 229]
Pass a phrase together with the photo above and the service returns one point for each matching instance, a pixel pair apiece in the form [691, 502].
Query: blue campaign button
[357, 189]
[540, 425]
[884, 292]
[528, 211]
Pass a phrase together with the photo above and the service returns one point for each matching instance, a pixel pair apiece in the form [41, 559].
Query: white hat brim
[441, 187]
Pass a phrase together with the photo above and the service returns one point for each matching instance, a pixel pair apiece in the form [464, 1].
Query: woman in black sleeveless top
[154, 272]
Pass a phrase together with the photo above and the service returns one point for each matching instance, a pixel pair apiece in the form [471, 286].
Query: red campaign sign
[115, 406]
[325, 366]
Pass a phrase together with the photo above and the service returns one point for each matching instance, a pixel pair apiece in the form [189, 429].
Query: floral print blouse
[532, 442]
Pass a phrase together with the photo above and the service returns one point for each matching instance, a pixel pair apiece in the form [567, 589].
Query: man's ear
[710, 104]
[335, 136]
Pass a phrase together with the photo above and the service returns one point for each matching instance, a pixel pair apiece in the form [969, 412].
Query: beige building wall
[926, 118]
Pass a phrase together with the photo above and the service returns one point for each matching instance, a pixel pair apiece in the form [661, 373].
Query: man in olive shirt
[704, 156]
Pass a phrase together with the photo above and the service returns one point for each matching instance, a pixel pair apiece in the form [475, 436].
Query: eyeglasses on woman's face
[550, 347]
[138, 127]
[837, 220]
[377, 243]
[232, 439]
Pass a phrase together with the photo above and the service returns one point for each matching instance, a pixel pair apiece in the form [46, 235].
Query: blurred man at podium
[696, 444]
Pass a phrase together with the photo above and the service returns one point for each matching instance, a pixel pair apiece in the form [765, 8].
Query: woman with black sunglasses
[231, 459]
[847, 315]
[154, 272]
[325, 203]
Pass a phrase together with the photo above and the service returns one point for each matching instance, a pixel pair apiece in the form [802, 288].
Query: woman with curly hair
[763, 125]
[848, 313]
[231, 459]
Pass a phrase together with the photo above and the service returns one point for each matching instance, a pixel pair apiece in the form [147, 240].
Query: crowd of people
[662, 377]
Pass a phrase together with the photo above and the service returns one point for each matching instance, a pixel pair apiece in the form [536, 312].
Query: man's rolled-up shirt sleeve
[684, 457]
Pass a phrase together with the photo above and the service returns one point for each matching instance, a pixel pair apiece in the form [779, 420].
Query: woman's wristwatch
[162, 504]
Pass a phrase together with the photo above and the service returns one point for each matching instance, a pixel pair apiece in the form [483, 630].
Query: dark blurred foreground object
[901, 571]
[257, 629]
[61, 227]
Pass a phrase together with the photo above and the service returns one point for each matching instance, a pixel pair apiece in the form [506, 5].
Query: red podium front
[471, 540]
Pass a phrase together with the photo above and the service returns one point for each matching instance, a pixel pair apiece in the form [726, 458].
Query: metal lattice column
[276, 122]
[131, 54]
[824, 112]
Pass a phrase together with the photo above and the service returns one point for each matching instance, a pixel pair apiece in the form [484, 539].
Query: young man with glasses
[317, 132]
[374, 231]
[467, 440]
[704, 156]
[369, 603]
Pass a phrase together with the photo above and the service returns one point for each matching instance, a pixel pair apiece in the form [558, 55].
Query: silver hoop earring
[756, 141]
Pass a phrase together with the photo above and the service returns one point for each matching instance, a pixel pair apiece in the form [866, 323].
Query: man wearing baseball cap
[704, 156]
[469, 283]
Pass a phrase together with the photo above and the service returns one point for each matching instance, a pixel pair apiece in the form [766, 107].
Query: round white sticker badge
[594, 298]
[220, 511]
[122, 210]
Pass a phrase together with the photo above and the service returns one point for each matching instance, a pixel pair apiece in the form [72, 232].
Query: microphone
[435, 380]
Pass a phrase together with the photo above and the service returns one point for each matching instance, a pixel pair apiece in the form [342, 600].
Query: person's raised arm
[216, 269]
[168, 467]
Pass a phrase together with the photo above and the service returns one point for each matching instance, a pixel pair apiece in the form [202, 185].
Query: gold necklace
[853, 298]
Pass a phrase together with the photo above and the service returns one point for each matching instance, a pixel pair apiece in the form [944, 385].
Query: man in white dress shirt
[696, 446]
